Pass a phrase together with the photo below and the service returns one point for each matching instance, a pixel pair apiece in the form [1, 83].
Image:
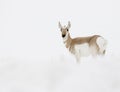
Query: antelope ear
[69, 25]
[59, 24]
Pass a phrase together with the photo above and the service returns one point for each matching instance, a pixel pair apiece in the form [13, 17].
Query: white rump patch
[102, 43]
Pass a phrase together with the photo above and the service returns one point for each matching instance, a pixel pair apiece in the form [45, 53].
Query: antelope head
[64, 30]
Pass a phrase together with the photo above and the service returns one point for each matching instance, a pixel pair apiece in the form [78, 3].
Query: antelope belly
[83, 49]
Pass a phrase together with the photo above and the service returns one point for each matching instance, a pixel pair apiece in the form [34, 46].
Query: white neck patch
[65, 38]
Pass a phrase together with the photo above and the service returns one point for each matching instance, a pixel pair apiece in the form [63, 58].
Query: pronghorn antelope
[83, 46]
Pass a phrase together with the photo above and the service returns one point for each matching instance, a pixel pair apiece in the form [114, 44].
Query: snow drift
[60, 74]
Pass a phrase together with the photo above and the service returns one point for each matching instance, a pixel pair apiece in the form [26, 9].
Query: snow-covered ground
[60, 75]
[33, 57]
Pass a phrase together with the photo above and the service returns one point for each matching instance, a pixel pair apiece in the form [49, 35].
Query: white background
[33, 57]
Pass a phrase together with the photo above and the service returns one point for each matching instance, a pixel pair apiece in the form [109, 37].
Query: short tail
[102, 44]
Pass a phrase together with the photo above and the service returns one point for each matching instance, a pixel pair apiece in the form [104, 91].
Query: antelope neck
[68, 41]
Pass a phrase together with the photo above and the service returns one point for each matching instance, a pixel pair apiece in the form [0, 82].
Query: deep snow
[60, 74]
[33, 57]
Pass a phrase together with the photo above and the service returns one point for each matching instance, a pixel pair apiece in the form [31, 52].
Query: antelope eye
[67, 30]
